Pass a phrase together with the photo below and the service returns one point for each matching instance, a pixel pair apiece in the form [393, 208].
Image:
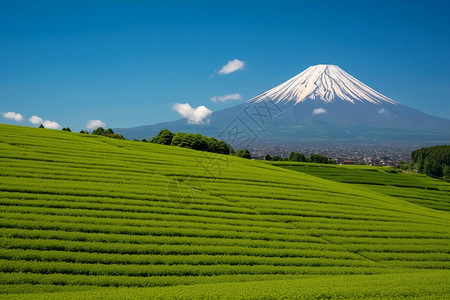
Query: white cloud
[226, 98]
[382, 111]
[47, 123]
[232, 66]
[319, 111]
[194, 115]
[35, 120]
[51, 124]
[94, 124]
[13, 116]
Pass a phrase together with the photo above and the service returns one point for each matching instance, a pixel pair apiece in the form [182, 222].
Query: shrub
[244, 153]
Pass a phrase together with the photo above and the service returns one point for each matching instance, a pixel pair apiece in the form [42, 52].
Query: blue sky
[127, 63]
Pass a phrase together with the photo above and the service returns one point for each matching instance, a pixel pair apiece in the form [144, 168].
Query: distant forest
[433, 161]
[300, 157]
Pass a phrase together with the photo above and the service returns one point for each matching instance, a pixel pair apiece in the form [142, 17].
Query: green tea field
[416, 188]
[91, 217]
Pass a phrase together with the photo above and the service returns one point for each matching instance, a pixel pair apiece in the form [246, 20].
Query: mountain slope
[321, 103]
[82, 212]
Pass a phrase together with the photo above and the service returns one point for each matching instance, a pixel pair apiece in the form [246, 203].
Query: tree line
[191, 141]
[433, 160]
[197, 142]
[300, 157]
[99, 131]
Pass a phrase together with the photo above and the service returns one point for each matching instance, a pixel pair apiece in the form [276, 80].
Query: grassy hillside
[89, 216]
[416, 188]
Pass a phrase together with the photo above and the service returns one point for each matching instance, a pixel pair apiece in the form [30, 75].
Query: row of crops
[388, 286]
[81, 211]
[414, 188]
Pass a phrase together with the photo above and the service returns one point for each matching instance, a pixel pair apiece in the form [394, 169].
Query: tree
[295, 156]
[99, 131]
[224, 148]
[446, 173]
[41, 126]
[244, 153]
[108, 133]
[199, 142]
[66, 129]
[267, 157]
[187, 141]
[318, 158]
[176, 140]
[431, 166]
[432, 160]
[164, 137]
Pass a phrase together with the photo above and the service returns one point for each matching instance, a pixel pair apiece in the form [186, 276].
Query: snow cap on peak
[323, 82]
[324, 65]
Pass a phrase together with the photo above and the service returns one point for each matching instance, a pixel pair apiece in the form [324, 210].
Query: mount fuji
[322, 103]
[326, 83]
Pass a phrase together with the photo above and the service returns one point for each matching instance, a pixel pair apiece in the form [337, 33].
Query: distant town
[382, 154]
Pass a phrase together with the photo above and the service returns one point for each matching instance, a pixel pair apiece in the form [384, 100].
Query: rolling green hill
[87, 216]
[416, 188]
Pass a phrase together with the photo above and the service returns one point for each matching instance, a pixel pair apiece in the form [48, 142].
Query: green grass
[86, 216]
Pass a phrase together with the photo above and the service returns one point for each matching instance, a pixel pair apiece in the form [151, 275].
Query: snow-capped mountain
[327, 83]
[322, 103]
